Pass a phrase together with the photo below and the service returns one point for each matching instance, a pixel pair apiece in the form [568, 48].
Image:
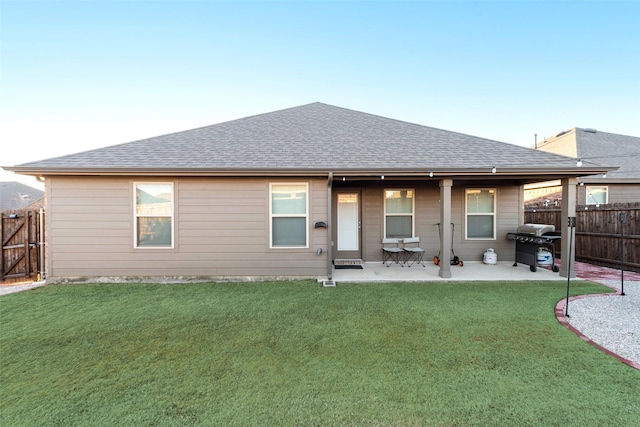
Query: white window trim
[413, 209]
[467, 214]
[135, 216]
[271, 215]
[589, 200]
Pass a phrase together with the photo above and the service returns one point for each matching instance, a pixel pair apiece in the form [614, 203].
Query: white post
[567, 251]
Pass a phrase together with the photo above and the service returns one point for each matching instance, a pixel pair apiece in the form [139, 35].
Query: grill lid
[536, 229]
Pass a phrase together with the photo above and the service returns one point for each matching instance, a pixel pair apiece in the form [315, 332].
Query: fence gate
[22, 250]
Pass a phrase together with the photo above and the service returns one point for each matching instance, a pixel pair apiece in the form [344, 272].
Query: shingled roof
[314, 137]
[610, 148]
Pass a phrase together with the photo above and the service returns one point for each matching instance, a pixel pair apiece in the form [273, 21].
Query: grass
[293, 353]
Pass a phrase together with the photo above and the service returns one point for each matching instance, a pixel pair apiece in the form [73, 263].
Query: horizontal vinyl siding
[508, 212]
[618, 193]
[427, 216]
[221, 228]
[624, 193]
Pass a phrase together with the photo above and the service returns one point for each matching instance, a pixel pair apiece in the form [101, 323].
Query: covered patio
[471, 271]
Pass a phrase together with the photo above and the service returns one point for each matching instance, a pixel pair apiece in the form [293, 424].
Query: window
[480, 212]
[398, 213]
[597, 195]
[289, 221]
[153, 215]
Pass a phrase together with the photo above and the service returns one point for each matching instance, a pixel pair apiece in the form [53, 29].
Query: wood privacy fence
[22, 245]
[598, 232]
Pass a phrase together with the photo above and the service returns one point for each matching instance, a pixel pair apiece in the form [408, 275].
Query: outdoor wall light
[604, 175]
[579, 163]
[344, 179]
[381, 176]
[431, 174]
[581, 184]
[493, 170]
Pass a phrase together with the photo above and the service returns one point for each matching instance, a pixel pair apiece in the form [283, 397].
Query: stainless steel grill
[529, 238]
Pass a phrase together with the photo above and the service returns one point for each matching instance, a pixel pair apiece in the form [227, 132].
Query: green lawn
[294, 353]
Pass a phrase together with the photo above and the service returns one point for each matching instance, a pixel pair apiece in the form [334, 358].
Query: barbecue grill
[529, 238]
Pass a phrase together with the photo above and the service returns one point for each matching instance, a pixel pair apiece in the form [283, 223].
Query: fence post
[622, 218]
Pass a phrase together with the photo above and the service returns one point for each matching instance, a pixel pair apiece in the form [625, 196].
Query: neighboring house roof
[311, 138]
[15, 195]
[599, 147]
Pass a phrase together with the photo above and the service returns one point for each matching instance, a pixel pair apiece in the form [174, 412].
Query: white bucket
[490, 257]
[544, 257]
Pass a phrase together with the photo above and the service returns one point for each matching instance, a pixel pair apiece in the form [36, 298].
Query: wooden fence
[21, 242]
[598, 232]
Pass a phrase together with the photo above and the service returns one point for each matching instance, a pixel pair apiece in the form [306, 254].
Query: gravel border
[610, 321]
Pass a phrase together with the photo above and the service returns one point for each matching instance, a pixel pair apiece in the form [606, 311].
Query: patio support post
[329, 228]
[445, 227]
[567, 251]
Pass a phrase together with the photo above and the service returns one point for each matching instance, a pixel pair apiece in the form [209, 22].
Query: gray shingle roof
[15, 195]
[610, 148]
[310, 137]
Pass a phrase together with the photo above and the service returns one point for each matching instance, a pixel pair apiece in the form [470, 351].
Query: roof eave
[354, 172]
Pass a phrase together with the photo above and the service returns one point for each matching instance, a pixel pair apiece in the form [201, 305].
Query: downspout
[329, 227]
[41, 246]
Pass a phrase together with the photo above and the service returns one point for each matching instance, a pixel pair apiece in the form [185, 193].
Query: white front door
[348, 225]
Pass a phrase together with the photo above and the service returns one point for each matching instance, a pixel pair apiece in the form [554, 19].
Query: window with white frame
[399, 205]
[597, 195]
[153, 214]
[480, 206]
[289, 215]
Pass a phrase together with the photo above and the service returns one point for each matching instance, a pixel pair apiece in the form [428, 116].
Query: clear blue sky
[78, 75]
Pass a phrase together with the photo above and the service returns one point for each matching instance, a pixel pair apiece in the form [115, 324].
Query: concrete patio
[471, 271]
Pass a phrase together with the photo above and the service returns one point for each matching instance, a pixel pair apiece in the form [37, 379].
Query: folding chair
[391, 251]
[414, 253]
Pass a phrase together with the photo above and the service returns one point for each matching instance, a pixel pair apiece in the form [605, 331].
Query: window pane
[153, 199]
[596, 195]
[480, 226]
[399, 201]
[399, 227]
[289, 232]
[154, 231]
[288, 199]
[480, 201]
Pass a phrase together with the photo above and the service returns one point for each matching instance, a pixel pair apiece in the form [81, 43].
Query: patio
[471, 271]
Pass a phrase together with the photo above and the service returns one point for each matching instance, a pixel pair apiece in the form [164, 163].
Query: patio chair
[414, 254]
[391, 251]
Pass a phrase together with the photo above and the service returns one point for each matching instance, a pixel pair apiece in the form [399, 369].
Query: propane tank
[490, 257]
[544, 257]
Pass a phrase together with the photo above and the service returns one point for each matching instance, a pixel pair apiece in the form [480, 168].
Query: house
[285, 194]
[618, 186]
[16, 196]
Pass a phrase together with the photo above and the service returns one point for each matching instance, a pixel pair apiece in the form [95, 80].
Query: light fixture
[381, 176]
[581, 184]
[579, 163]
[343, 179]
[604, 175]
[493, 169]
[431, 174]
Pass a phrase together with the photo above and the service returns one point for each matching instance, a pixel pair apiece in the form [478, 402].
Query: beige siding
[618, 193]
[221, 229]
[427, 214]
[564, 145]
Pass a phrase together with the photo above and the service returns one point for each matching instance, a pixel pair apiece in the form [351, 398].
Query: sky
[84, 74]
